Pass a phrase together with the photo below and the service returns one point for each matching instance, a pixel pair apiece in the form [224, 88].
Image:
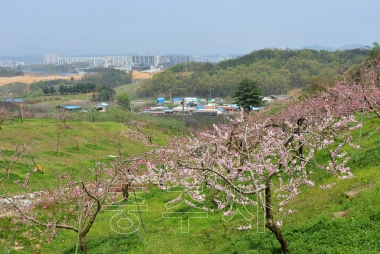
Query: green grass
[310, 230]
[78, 144]
[130, 88]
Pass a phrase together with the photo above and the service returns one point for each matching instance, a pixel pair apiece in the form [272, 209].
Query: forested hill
[276, 71]
[6, 72]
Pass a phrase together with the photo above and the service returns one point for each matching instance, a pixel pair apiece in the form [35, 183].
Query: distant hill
[22, 58]
[21, 52]
[26, 51]
[346, 47]
[276, 71]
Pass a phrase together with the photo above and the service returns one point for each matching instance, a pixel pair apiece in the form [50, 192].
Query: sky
[160, 27]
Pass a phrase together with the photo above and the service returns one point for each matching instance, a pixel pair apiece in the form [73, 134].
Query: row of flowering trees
[257, 159]
[270, 154]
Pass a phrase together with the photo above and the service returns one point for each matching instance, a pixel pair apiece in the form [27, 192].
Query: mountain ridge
[345, 47]
[26, 50]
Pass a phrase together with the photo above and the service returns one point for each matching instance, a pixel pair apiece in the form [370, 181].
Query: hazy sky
[184, 26]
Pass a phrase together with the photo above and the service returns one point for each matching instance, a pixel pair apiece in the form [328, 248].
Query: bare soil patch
[136, 75]
[31, 78]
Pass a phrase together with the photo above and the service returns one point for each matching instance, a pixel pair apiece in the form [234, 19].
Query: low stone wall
[7, 204]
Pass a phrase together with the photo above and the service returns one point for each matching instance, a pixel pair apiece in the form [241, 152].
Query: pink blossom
[228, 213]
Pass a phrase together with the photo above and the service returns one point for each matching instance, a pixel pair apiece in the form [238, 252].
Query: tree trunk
[83, 243]
[124, 189]
[20, 112]
[270, 223]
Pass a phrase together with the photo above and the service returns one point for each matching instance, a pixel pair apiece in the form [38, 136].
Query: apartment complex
[174, 59]
[117, 60]
[92, 61]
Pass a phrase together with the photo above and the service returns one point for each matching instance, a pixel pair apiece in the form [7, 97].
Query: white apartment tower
[182, 58]
[148, 60]
[51, 58]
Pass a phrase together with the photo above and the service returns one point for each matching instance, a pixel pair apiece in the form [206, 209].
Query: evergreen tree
[123, 100]
[62, 89]
[106, 93]
[46, 90]
[52, 90]
[247, 94]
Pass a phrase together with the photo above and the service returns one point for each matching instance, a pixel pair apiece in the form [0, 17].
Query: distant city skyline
[26, 51]
[194, 27]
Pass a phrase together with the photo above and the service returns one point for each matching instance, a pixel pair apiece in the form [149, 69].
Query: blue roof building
[177, 100]
[69, 107]
[14, 100]
[102, 107]
[160, 100]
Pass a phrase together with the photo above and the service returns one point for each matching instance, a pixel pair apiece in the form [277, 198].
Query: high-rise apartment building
[51, 58]
[182, 58]
[147, 60]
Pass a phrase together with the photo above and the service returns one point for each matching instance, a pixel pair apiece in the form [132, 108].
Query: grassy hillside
[311, 229]
[58, 146]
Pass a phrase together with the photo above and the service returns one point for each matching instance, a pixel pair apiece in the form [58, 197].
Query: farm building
[102, 107]
[193, 100]
[210, 112]
[177, 100]
[68, 107]
[180, 109]
[160, 100]
[228, 108]
[13, 100]
[267, 99]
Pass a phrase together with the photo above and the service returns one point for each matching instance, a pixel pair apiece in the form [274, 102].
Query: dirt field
[136, 75]
[30, 78]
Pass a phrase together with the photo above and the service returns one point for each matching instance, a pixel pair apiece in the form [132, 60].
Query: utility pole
[183, 114]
